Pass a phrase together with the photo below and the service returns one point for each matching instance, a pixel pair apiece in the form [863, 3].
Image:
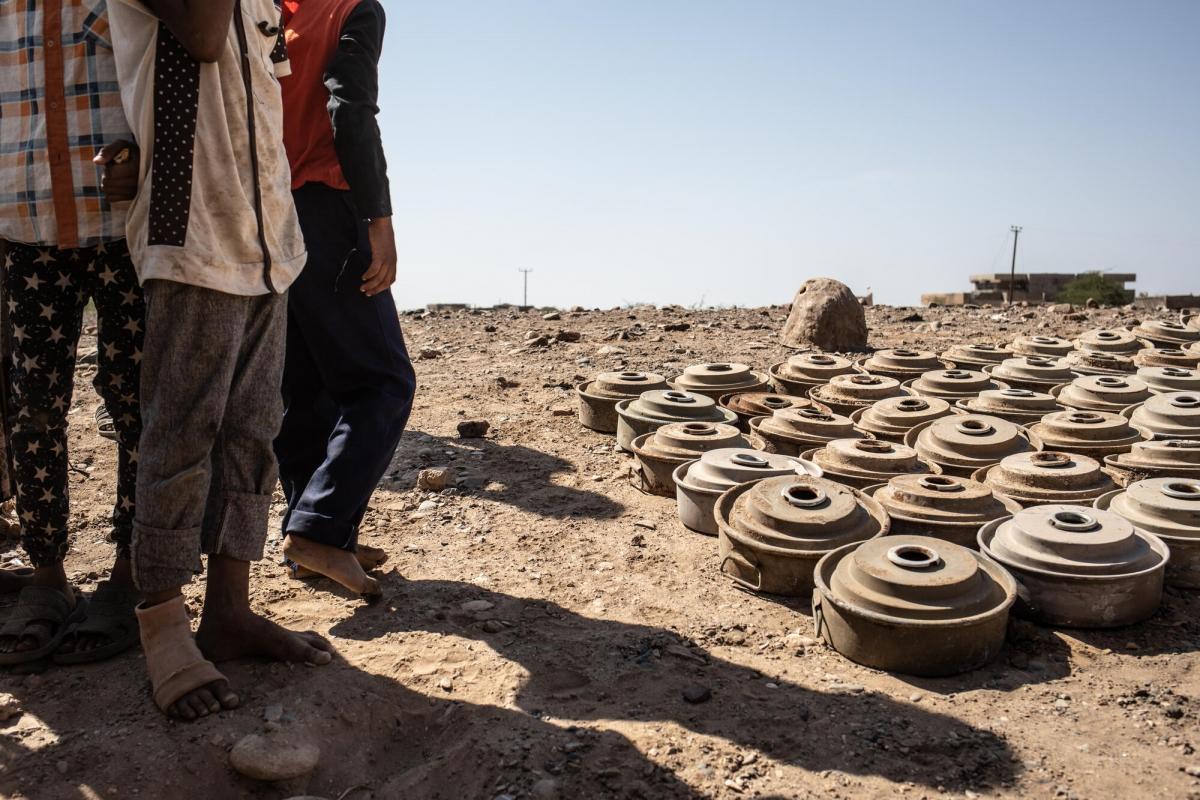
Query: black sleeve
[352, 79]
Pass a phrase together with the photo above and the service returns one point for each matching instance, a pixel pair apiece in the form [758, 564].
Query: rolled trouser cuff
[238, 528]
[164, 559]
[322, 530]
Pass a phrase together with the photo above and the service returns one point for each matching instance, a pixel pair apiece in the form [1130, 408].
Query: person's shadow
[583, 668]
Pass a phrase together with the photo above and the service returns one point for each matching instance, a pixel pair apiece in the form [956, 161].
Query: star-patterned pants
[47, 291]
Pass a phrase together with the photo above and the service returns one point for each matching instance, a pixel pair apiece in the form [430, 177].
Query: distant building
[1034, 287]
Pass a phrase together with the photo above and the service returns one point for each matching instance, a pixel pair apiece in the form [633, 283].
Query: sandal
[173, 659]
[111, 616]
[46, 605]
[104, 423]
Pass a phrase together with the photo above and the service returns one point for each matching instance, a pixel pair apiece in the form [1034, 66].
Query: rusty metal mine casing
[912, 604]
[718, 379]
[804, 371]
[794, 430]
[1162, 333]
[859, 463]
[598, 398]
[901, 363]
[1160, 458]
[652, 410]
[1175, 415]
[953, 384]
[1170, 509]
[976, 356]
[962, 444]
[699, 483]
[845, 394]
[1164, 380]
[1110, 340]
[1047, 478]
[1168, 357]
[942, 506]
[774, 531]
[660, 452]
[1051, 346]
[1088, 363]
[1111, 393]
[1089, 433]
[1078, 567]
[893, 417]
[1022, 406]
[1035, 373]
[748, 405]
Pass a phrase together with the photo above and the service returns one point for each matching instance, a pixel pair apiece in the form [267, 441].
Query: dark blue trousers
[347, 383]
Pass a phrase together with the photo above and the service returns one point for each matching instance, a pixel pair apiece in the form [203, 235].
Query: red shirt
[311, 29]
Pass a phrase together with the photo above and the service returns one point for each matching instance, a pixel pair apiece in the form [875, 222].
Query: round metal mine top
[1168, 507]
[813, 367]
[1072, 541]
[1172, 415]
[1162, 380]
[721, 377]
[1103, 392]
[868, 459]
[1107, 340]
[619, 385]
[942, 500]
[969, 440]
[684, 441]
[977, 354]
[1041, 346]
[1045, 477]
[902, 360]
[718, 470]
[920, 578]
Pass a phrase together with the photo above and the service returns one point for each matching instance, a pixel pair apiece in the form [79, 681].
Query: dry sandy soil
[600, 612]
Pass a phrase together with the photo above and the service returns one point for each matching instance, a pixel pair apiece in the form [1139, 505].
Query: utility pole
[1012, 273]
[525, 272]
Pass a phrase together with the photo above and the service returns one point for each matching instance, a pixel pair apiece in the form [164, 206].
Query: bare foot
[226, 635]
[36, 631]
[332, 562]
[368, 558]
[209, 699]
[116, 599]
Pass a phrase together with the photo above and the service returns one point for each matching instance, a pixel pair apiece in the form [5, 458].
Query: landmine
[942, 506]
[1161, 458]
[845, 394]
[1035, 373]
[976, 356]
[893, 417]
[1051, 346]
[1090, 433]
[1088, 363]
[912, 604]
[652, 410]
[1107, 340]
[1167, 334]
[1022, 406]
[1111, 393]
[699, 483]
[803, 372]
[793, 430]
[1168, 357]
[953, 384]
[962, 444]
[598, 397]
[1078, 567]
[1046, 478]
[859, 463]
[659, 453]
[1170, 509]
[748, 405]
[1175, 415]
[773, 532]
[719, 379]
[901, 364]
[1163, 380]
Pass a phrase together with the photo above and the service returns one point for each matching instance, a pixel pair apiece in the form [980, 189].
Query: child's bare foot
[186, 686]
[226, 635]
[332, 562]
[368, 558]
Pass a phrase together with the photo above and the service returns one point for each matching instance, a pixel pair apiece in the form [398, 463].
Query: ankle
[53, 576]
[150, 599]
[122, 572]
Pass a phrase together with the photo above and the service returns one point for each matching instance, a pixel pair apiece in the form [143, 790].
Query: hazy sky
[691, 150]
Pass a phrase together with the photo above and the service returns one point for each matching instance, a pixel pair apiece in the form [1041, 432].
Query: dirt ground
[542, 625]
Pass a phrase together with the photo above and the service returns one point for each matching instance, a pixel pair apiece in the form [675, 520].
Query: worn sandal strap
[37, 604]
[175, 663]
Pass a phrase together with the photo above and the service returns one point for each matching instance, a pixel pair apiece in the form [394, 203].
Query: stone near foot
[336, 564]
[274, 756]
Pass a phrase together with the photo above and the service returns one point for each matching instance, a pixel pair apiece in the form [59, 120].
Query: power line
[1012, 274]
[525, 273]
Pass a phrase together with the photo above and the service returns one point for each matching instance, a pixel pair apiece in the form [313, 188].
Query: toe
[312, 649]
[181, 710]
[224, 694]
[208, 699]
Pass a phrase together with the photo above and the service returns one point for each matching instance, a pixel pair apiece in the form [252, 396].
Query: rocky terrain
[548, 631]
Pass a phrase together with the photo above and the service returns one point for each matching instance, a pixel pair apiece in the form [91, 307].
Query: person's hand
[382, 272]
[120, 179]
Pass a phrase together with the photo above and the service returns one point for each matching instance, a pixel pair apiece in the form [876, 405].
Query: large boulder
[826, 315]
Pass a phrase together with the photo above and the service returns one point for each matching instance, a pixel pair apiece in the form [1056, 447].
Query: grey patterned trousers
[211, 407]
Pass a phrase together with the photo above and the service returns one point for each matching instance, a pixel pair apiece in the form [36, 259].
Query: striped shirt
[59, 104]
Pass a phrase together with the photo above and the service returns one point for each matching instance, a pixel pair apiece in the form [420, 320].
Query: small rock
[473, 428]
[562, 412]
[430, 353]
[552, 316]
[645, 523]
[493, 626]
[916, 697]
[696, 693]
[569, 337]
[9, 707]
[273, 713]
[545, 789]
[427, 506]
[677, 326]
[274, 757]
[610, 350]
[446, 685]
[62, 767]
[477, 606]
[433, 480]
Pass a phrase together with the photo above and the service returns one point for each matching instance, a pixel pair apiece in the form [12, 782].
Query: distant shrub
[1092, 286]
